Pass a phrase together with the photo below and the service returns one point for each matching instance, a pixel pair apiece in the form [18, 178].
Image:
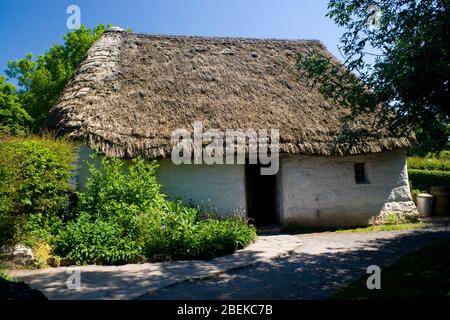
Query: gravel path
[323, 263]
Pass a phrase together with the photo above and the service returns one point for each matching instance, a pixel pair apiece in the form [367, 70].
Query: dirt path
[324, 263]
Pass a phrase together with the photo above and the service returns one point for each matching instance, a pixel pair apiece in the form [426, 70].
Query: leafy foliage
[123, 215]
[121, 218]
[13, 118]
[41, 80]
[424, 179]
[406, 74]
[444, 155]
[34, 192]
[428, 164]
[99, 241]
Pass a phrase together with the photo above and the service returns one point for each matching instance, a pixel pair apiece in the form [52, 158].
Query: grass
[423, 273]
[385, 227]
[295, 229]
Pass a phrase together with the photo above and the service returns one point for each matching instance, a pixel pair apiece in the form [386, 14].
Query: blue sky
[32, 26]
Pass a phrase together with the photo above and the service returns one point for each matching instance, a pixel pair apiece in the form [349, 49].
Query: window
[360, 173]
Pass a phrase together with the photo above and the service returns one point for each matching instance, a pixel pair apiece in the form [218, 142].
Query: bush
[123, 215]
[199, 238]
[35, 187]
[444, 155]
[424, 179]
[428, 164]
[96, 241]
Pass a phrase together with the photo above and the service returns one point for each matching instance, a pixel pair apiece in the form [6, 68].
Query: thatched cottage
[133, 90]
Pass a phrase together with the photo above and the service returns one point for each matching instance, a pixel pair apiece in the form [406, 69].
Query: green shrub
[424, 179]
[113, 193]
[444, 155]
[35, 175]
[96, 241]
[41, 228]
[123, 215]
[109, 228]
[428, 164]
[202, 238]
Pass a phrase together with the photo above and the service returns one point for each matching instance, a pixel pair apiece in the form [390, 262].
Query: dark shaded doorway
[261, 196]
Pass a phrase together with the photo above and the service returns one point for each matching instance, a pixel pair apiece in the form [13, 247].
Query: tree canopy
[397, 54]
[13, 117]
[41, 80]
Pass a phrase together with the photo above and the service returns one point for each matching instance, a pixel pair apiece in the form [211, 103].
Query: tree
[42, 80]
[13, 118]
[397, 54]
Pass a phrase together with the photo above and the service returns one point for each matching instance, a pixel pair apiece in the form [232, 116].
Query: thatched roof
[133, 90]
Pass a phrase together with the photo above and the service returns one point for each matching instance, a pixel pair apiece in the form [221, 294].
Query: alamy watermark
[374, 280]
[230, 147]
[74, 20]
[73, 282]
[373, 17]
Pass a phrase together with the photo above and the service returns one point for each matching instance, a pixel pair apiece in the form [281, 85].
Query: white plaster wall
[321, 191]
[311, 191]
[219, 186]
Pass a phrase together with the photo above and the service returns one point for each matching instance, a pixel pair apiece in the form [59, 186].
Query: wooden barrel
[441, 200]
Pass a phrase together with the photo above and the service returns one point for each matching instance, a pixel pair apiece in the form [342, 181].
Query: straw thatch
[133, 90]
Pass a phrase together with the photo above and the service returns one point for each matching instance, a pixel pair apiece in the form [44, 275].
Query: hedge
[424, 179]
[428, 164]
[34, 188]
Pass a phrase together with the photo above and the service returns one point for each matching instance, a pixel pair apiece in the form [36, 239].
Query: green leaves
[42, 80]
[429, 163]
[99, 242]
[123, 215]
[425, 179]
[13, 118]
[402, 66]
[35, 175]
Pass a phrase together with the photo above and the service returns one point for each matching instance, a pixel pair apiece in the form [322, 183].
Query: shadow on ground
[304, 275]
[133, 280]
[129, 281]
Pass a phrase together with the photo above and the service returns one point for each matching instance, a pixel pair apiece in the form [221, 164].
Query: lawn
[295, 229]
[420, 274]
[385, 227]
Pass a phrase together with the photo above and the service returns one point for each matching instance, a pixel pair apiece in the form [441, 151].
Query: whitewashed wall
[321, 191]
[311, 191]
[222, 186]
[218, 187]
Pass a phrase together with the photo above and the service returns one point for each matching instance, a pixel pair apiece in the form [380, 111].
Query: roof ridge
[224, 38]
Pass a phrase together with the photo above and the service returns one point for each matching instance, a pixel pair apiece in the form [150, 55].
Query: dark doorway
[261, 196]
